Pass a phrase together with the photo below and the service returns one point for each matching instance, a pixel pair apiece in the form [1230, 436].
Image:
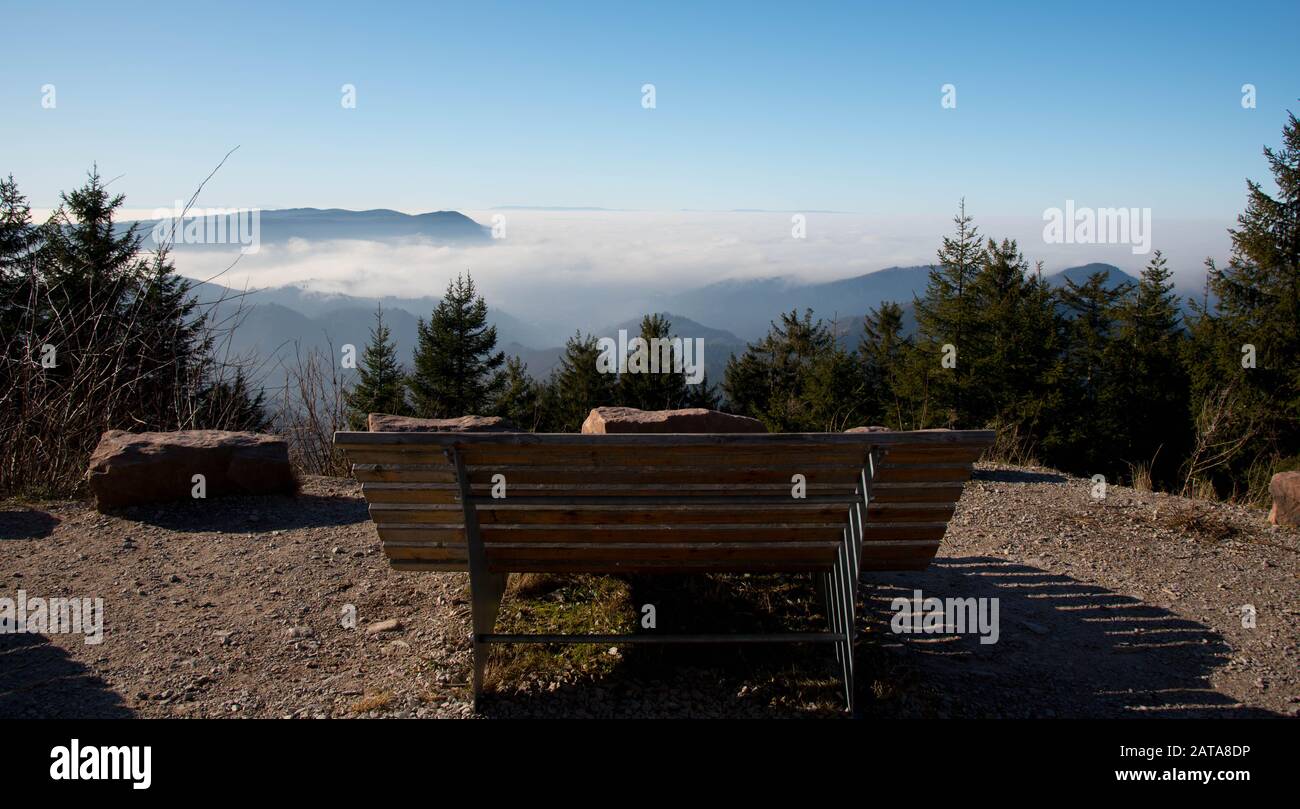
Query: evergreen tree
[795, 379]
[882, 353]
[455, 368]
[1152, 418]
[1092, 427]
[577, 385]
[381, 384]
[946, 316]
[703, 395]
[521, 398]
[1254, 301]
[1013, 347]
[665, 390]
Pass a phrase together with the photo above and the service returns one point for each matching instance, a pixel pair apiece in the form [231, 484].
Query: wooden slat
[662, 515]
[604, 456]
[756, 534]
[415, 473]
[415, 512]
[934, 454]
[902, 530]
[408, 566]
[426, 553]
[958, 473]
[347, 440]
[374, 494]
[664, 552]
[916, 492]
[410, 533]
[623, 566]
[910, 512]
[770, 473]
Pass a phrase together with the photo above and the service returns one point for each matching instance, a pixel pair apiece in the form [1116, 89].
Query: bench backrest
[678, 502]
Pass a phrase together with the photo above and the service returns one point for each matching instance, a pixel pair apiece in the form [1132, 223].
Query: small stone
[391, 625]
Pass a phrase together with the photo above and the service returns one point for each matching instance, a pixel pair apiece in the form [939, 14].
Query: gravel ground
[1128, 606]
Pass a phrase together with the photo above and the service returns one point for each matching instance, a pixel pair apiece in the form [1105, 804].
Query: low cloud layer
[558, 265]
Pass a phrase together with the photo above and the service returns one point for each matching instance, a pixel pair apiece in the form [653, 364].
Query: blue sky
[774, 106]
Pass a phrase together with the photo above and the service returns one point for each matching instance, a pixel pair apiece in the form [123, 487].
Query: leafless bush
[1224, 428]
[1012, 446]
[73, 368]
[311, 407]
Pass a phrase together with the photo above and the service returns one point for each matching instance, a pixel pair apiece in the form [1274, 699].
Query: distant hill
[1079, 275]
[323, 224]
[748, 307]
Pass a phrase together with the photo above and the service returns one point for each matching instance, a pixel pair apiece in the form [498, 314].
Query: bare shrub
[1224, 428]
[312, 406]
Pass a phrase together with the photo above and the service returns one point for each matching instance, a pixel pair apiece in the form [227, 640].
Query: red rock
[606, 420]
[131, 468]
[384, 423]
[1285, 488]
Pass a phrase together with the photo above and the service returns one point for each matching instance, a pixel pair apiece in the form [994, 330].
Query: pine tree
[1252, 305]
[703, 395]
[791, 379]
[1093, 423]
[882, 354]
[521, 398]
[381, 384]
[946, 316]
[664, 390]
[455, 368]
[577, 385]
[1152, 389]
[1012, 354]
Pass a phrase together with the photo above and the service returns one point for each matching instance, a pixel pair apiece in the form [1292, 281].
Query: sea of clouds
[558, 265]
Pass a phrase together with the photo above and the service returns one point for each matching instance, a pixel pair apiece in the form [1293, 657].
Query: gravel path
[1127, 606]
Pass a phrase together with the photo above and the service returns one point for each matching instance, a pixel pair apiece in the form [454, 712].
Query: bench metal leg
[485, 588]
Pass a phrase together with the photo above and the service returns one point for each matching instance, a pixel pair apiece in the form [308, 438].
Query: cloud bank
[560, 265]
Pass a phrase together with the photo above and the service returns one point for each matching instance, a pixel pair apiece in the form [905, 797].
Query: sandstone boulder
[606, 420]
[384, 423]
[131, 468]
[875, 428]
[1285, 488]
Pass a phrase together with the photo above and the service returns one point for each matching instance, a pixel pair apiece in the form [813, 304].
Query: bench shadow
[249, 513]
[1066, 647]
[26, 524]
[40, 680]
[703, 680]
[1017, 476]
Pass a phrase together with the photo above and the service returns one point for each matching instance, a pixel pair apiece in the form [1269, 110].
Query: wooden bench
[636, 503]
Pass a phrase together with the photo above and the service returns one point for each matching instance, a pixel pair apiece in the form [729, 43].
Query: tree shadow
[40, 680]
[1066, 647]
[1018, 476]
[249, 513]
[26, 524]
